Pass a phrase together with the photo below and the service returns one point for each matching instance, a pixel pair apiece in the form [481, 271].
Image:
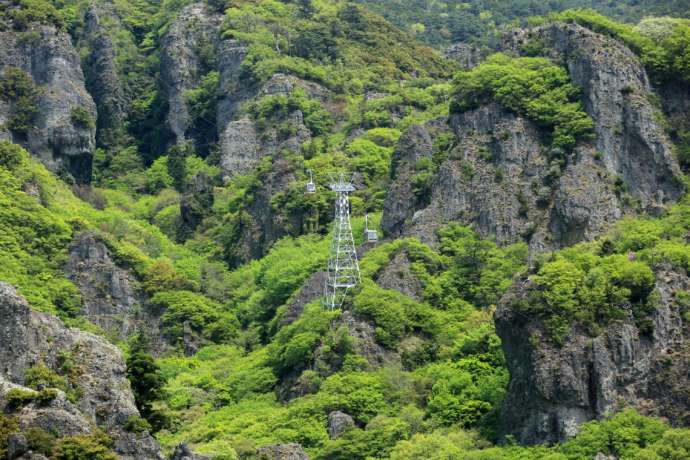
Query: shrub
[8, 426]
[11, 155]
[40, 376]
[40, 441]
[81, 118]
[136, 424]
[18, 88]
[18, 398]
[97, 446]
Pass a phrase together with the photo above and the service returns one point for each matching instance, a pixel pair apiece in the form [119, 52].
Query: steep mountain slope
[172, 221]
[480, 21]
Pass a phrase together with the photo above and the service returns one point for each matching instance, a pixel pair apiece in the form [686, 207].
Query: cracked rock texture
[29, 338]
[553, 390]
[498, 179]
[49, 58]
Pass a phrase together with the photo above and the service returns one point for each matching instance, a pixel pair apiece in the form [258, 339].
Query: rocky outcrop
[102, 79]
[232, 89]
[466, 55]
[339, 423]
[397, 276]
[195, 203]
[363, 335]
[290, 451]
[51, 61]
[240, 148]
[264, 226]
[401, 203]
[498, 179]
[29, 338]
[183, 452]
[240, 145]
[553, 389]
[309, 292]
[616, 93]
[186, 49]
[111, 296]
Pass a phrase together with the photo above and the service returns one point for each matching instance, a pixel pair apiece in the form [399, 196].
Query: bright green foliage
[11, 155]
[591, 291]
[661, 43]
[97, 446]
[481, 22]
[200, 313]
[157, 176]
[18, 88]
[271, 110]
[40, 376]
[30, 11]
[81, 118]
[534, 87]
[8, 425]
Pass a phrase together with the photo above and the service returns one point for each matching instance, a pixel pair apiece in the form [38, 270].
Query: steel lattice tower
[343, 268]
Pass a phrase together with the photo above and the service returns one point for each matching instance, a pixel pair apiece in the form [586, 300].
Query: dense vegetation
[434, 383]
[534, 87]
[444, 22]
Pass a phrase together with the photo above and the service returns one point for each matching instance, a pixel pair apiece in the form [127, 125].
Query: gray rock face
[363, 333]
[397, 276]
[55, 67]
[497, 179]
[553, 389]
[290, 451]
[310, 291]
[240, 147]
[111, 296]
[339, 423]
[616, 92]
[264, 227]
[232, 89]
[28, 338]
[183, 452]
[400, 203]
[191, 39]
[102, 80]
[466, 55]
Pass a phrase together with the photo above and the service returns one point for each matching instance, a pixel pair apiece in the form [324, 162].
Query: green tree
[146, 380]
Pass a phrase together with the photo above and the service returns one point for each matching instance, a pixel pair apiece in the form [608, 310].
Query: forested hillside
[162, 262]
[481, 22]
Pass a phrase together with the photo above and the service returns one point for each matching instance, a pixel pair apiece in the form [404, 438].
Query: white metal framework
[370, 235]
[343, 267]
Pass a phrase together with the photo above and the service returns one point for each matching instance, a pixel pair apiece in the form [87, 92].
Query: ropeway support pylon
[343, 267]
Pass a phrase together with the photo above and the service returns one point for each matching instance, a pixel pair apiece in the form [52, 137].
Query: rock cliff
[553, 389]
[188, 52]
[498, 178]
[102, 79]
[29, 339]
[61, 132]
